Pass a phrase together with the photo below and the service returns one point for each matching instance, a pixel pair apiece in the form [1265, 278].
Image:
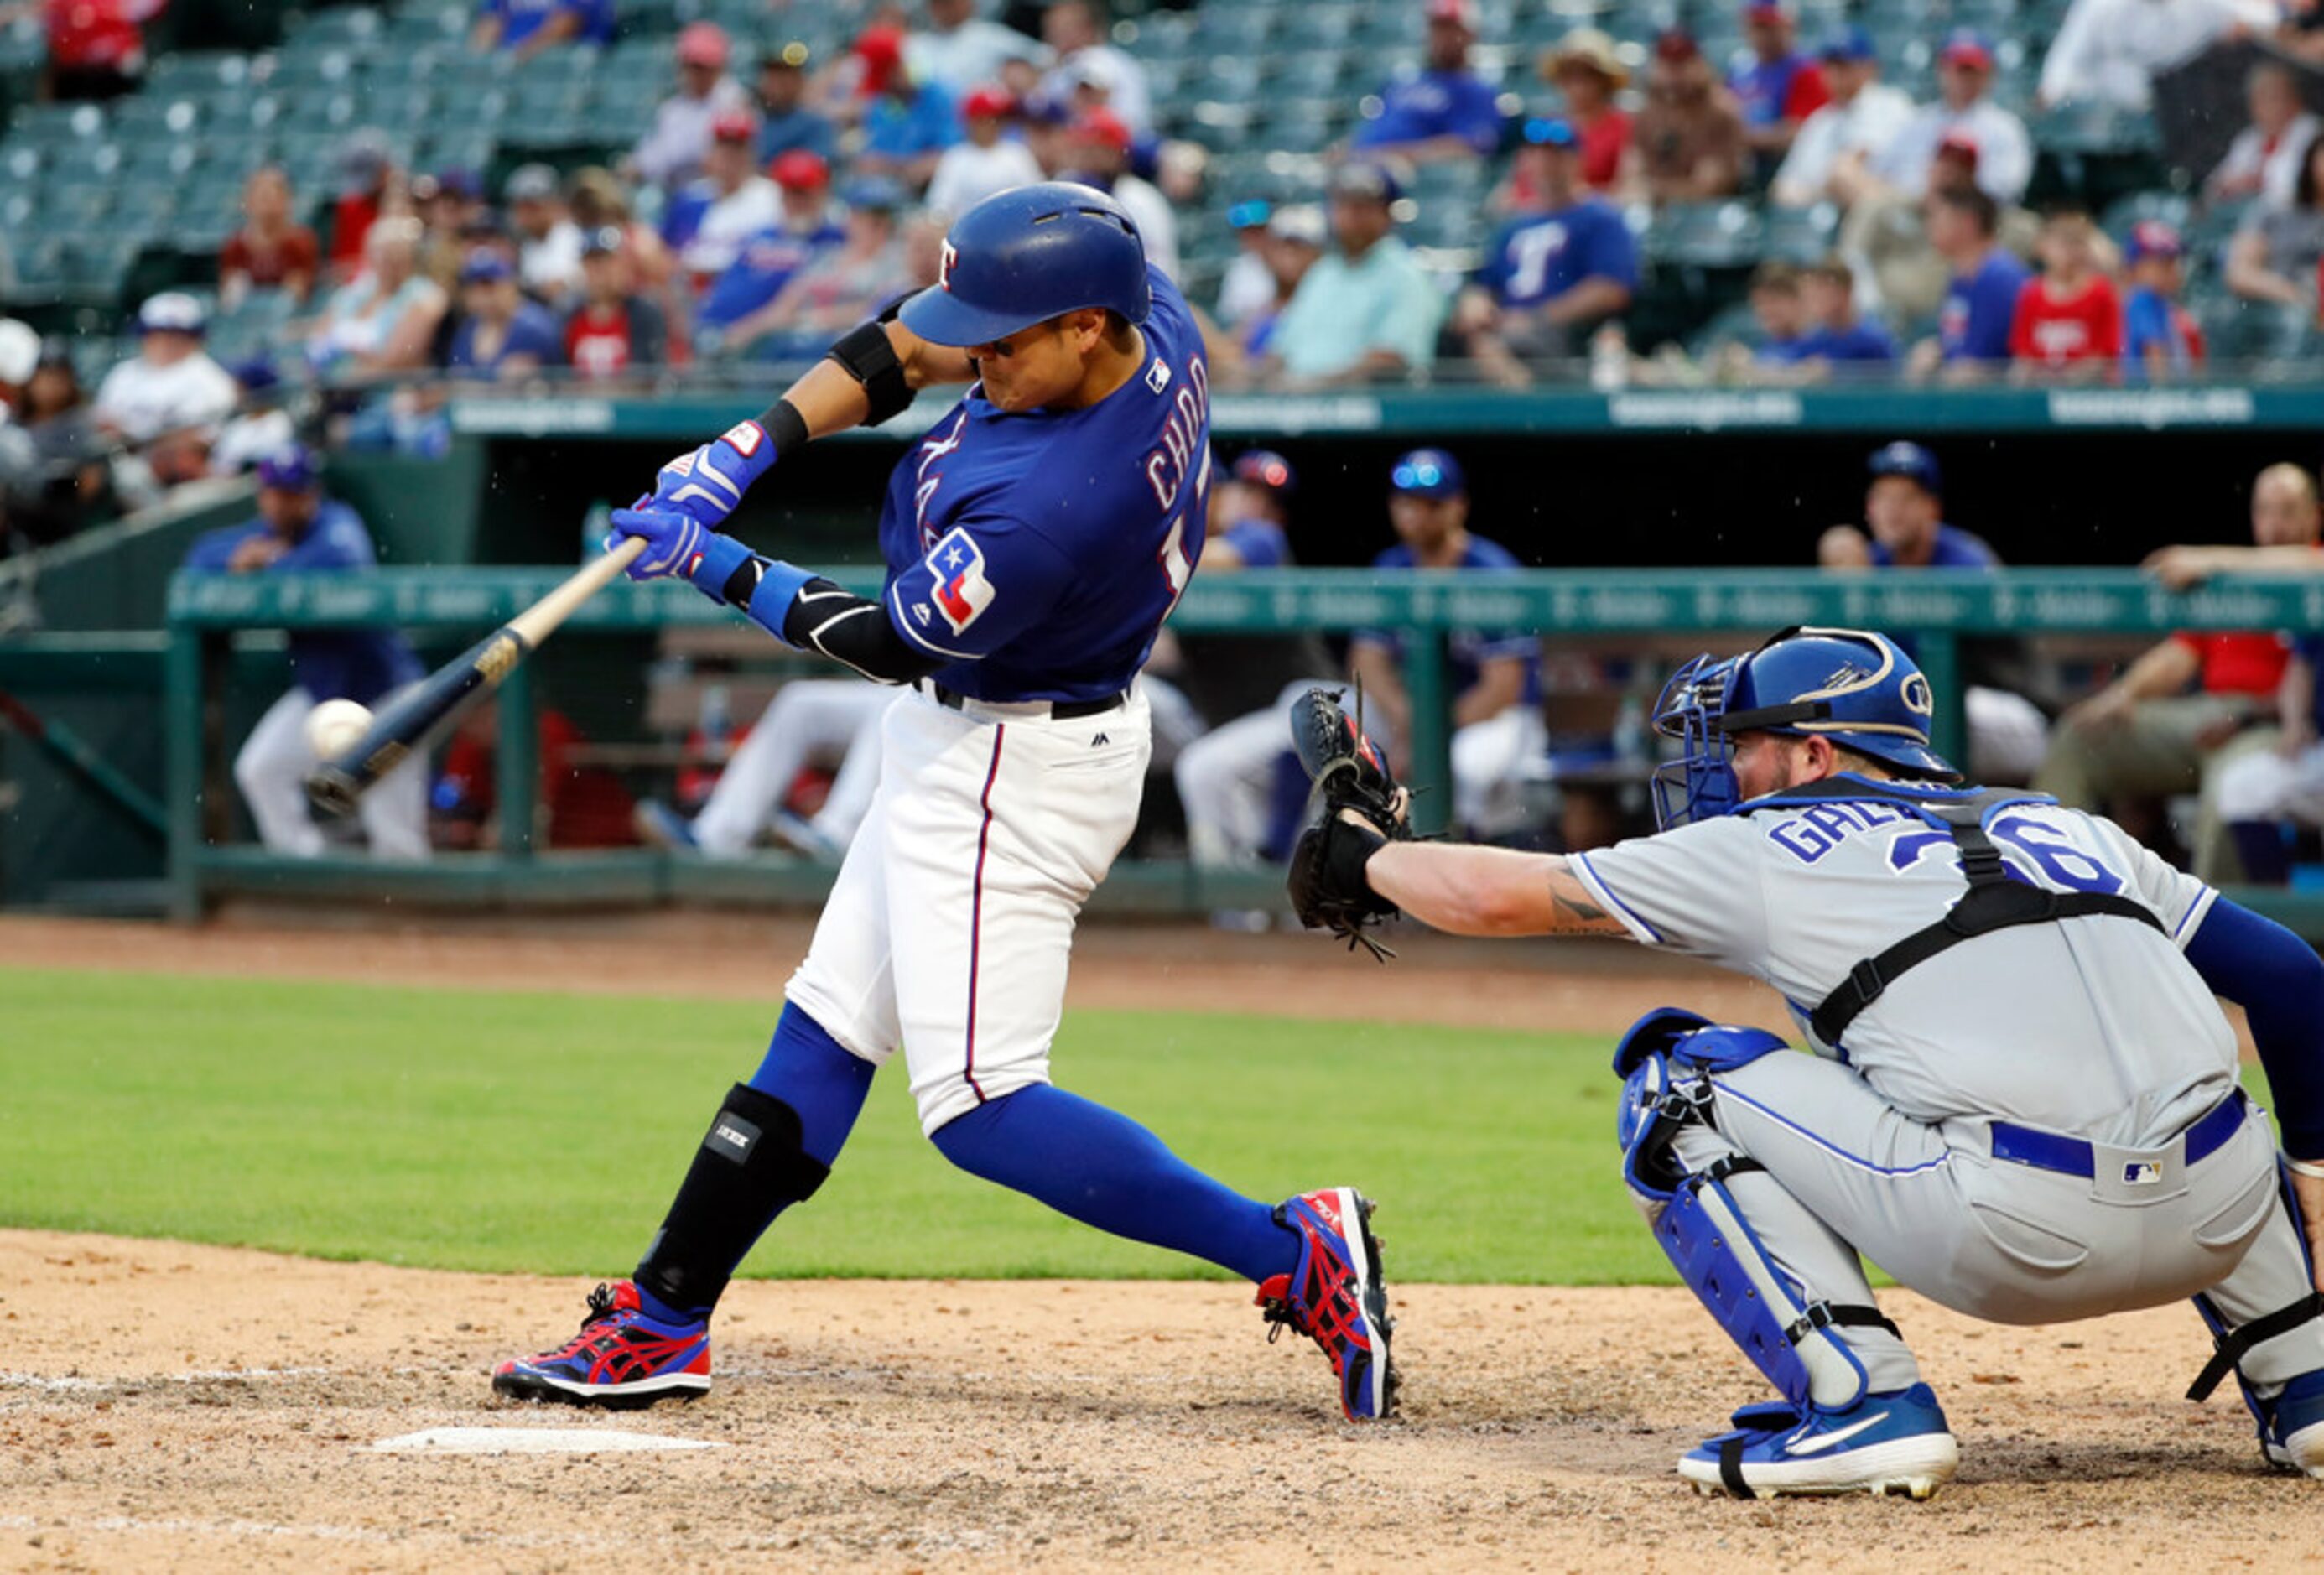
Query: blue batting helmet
[1021, 257]
[1855, 687]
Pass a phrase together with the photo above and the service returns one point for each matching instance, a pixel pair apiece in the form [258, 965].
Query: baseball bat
[409, 725]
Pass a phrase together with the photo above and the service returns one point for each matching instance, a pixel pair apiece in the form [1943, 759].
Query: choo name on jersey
[1176, 456]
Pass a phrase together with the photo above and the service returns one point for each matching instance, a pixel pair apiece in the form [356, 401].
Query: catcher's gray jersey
[2092, 1025]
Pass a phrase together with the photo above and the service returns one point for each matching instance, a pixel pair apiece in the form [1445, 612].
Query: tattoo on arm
[1574, 908]
[1571, 906]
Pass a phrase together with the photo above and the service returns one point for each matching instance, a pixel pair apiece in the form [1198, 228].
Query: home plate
[532, 1440]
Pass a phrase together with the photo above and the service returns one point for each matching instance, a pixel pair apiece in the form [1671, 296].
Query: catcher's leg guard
[1696, 1217]
[2289, 1409]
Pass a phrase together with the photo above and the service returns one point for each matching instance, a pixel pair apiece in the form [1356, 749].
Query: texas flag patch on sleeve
[961, 592]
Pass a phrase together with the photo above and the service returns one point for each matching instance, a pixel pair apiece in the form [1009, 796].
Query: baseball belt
[2074, 1156]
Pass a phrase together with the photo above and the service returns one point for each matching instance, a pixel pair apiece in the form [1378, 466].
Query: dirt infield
[172, 1406]
[167, 1406]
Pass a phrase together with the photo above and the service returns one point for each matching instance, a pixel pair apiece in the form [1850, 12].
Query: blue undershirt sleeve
[2279, 982]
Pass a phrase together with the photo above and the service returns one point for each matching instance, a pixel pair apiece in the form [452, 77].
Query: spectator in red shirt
[2068, 319]
[614, 331]
[96, 48]
[271, 250]
[575, 806]
[1585, 70]
[2179, 711]
[369, 185]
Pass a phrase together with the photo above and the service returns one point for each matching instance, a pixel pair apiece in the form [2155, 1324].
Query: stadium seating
[99, 198]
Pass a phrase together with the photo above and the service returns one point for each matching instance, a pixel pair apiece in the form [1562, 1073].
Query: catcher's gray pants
[1848, 1173]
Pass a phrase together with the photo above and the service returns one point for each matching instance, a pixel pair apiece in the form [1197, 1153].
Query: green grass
[498, 1130]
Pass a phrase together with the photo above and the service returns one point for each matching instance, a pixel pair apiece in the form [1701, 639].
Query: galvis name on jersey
[1182, 433]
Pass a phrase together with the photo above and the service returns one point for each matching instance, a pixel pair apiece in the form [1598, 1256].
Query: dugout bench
[210, 617]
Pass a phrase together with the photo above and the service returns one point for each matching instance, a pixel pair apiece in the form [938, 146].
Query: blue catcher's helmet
[1852, 686]
[1022, 257]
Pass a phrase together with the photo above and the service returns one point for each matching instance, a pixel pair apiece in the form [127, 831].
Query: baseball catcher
[2020, 1095]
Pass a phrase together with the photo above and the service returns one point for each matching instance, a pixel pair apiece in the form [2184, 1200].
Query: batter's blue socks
[818, 1077]
[1105, 1170]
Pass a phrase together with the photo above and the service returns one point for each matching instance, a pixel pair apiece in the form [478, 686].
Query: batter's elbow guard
[866, 355]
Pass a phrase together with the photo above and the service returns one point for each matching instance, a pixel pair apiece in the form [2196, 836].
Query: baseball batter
[2021, 1100]
[1036, 538]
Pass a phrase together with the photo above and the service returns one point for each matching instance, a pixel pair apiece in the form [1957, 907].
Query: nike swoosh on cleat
[1809, 1446]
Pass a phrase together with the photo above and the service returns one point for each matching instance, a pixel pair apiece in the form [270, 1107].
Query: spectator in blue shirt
[1494, 676]
[299, 530]
[1555, 271]
[1442, 111]
[2008, 733]
[1837, 335]
[524, 28]
[501, 333]
[772, 258]
[907, 124]
[1779, 87]
[1981, 303]
[787, 124]
[2161, 341]
[1781, 315]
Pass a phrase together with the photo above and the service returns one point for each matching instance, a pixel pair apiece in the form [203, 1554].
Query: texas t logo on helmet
[944, 260]
[1855, 688]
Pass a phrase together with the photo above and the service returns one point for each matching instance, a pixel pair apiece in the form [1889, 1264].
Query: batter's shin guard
[749, 1168]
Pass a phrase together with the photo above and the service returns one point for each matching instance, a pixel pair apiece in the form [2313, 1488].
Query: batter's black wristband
[785, 427]
[743, 583]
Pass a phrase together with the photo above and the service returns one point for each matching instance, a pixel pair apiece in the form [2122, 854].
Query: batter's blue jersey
[1040, 551]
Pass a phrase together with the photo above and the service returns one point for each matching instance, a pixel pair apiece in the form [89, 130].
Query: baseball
[335, 725]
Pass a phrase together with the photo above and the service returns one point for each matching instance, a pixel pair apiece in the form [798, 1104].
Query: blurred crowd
[779, 195]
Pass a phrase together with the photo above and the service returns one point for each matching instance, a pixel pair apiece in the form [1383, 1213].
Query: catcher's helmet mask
[1855, 688]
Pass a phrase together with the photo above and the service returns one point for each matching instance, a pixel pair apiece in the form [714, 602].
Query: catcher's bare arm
[1487, 891]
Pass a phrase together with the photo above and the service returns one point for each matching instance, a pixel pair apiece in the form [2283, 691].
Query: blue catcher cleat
[1896, 1442]
[1336, 1296]
[621, 1360]
[2292, 1425]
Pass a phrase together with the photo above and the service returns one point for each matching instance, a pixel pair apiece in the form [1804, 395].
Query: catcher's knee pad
[1707, 1237]
[2230, 1343]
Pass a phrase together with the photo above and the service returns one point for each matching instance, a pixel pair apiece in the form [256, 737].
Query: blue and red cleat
[622, 1359]
[1336, 1296]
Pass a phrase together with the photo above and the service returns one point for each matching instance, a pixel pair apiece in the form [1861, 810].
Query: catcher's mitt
[1327, 885]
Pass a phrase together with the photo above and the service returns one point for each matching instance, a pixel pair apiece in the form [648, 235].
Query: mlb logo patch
[745, 437]
[962, 592]
[2140, 1173]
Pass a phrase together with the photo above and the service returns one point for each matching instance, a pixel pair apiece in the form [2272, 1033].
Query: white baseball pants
[271, 770]
[834, 717]
[2268, 785]
[951, 925]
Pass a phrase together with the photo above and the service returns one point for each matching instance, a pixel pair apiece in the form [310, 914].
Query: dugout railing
[213, 618]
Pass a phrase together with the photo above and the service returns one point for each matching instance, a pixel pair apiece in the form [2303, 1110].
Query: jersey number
[2045, 846]
[1176, 567]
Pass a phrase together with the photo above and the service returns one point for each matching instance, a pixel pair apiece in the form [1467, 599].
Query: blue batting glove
[672, 539]
[678, 547]
[707, 483]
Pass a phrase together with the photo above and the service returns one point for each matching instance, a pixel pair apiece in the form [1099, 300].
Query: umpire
[2022, 1099]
